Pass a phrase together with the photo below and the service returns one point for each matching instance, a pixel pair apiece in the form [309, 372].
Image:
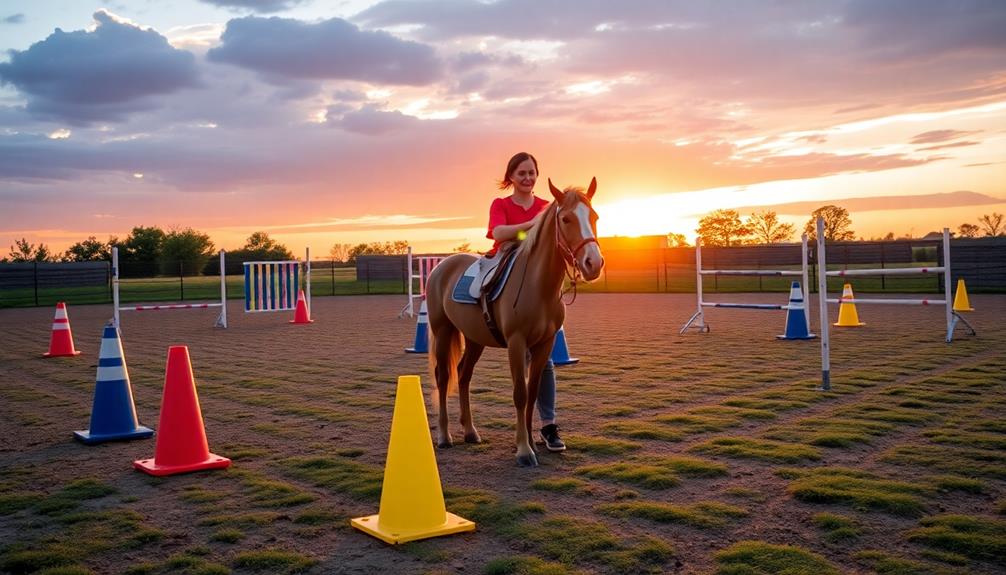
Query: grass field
[695, 453]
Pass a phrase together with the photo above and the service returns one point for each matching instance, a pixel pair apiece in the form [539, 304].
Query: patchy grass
[957, 483]
[702, 514]
[560, 484]
[970, 462]
[227, 535]
[600, 445]
[982, 538]
[837, 527]
[274, 561]
[745, 493]
[887, 564]
[761, 558]
[336, 474]
[774, 451]
[572, 540]
[824, 485]
[526, 565]
[647, 476]
[642, 430]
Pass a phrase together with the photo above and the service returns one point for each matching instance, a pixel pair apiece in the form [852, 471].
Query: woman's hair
[515, 161]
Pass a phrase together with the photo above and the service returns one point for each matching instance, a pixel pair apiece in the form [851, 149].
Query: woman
[509, 219]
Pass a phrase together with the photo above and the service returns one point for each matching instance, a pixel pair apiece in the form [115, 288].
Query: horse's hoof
[472, 438]
[444, 444]
[527, 460]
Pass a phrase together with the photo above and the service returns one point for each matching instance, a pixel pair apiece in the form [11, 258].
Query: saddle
[483, 282]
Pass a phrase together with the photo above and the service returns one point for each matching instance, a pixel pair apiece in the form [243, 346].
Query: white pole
[115, 287]
[408, 275]
[946, 283]
[223, 289]
[822, 293]
[698, 283]
[307, 258]
[806, 280]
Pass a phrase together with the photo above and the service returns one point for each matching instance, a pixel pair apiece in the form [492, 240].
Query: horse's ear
[592, 188]
[556, 192]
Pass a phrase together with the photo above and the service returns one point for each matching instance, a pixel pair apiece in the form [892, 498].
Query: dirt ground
[271, 391]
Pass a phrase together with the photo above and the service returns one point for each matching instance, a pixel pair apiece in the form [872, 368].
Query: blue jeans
[546, 394]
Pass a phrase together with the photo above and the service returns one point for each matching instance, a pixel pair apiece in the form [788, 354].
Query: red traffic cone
[61, 341]
[302, 315]
[181, 438]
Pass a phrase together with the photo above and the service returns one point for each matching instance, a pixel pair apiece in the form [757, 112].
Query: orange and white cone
[61, 341]
[302, 315]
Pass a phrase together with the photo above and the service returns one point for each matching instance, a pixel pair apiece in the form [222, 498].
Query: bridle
[569, 256]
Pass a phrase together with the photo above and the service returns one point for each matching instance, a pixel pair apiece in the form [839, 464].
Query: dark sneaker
[550, 436]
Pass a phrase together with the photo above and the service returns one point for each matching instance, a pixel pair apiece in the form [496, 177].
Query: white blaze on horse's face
[579, 228]
[589, 258]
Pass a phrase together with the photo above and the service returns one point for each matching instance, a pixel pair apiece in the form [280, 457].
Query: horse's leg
[473, 351]
[517, 350]
[539, 357]
[444, 341]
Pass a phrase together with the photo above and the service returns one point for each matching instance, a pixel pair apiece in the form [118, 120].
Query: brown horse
[528, 312]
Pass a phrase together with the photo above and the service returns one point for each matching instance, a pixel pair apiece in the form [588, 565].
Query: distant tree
[722, 228]
[767, 229]
[22, 252]
[186, 251]
[465, 248]
[260, 247]
[889, 237]
[89, 250]
[992, 225]
[378, 249]
[142, 245]
[836, 224]
[968, 230]
[339, 252]
[676, 240]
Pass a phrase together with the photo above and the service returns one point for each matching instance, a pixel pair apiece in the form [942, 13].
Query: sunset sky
[325, 122]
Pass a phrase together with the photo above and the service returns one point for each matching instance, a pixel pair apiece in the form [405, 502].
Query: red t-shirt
[504, 212]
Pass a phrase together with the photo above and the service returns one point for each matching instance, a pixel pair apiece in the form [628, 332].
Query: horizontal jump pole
[793, 273]
[746, 305]
[170, 306]
[891, 301]
[887, 272]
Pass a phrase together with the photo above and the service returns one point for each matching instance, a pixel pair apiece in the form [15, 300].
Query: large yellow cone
[412, 499]
[961, 302]
[847, 316]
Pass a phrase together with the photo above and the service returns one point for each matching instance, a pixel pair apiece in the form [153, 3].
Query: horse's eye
[565, 219]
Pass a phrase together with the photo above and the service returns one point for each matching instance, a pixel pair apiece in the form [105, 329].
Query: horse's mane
[532, 234]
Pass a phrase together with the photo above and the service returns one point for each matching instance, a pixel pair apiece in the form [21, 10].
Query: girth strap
[487, 315]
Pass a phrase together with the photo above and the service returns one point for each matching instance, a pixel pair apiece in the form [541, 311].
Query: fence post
[35, 279]
[368, 276]
[181, 279]
[333, 276]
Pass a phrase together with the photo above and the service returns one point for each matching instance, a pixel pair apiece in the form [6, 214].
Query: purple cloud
[81, 77]
[282, 48]
[261, 6]
[938, 136]
[14, 19]
[370, 121]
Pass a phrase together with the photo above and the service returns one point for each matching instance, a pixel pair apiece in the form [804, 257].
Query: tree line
[727, 228]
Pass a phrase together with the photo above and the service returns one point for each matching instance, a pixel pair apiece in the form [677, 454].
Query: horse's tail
[454, 352]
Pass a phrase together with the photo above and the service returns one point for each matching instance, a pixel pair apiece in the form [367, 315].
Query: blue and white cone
[422, 344]
[796, 319]
[560, 355]
[113, 415]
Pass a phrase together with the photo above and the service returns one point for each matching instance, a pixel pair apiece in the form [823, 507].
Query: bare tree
[992, 225]
[767, 229]
[836, 224]
[340, 252]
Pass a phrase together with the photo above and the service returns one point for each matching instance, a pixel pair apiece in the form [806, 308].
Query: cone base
[567, 361]
[415, 350]
[295, 321]
[89, 438]
[149, 466]
[50, 354]
[808, 336]
[964, 309]
[839, 324]
[371, 526]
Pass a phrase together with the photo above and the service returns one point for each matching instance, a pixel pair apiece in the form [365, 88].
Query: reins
[568, 260]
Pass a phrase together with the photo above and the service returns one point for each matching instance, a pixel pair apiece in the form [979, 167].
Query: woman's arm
[506, 232]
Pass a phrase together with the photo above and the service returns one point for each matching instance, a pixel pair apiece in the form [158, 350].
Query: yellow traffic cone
[412, 498]
[847, 316]
[961, 302]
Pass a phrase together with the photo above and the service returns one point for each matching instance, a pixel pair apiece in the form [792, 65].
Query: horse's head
[576, 227]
